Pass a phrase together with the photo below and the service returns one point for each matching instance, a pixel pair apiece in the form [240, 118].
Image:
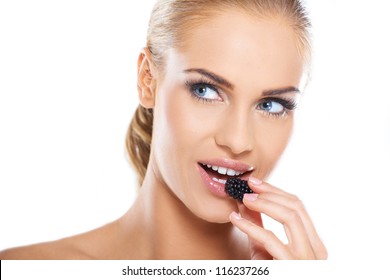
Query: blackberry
[236, 188]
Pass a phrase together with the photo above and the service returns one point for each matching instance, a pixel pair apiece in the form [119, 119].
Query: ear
[147, 79]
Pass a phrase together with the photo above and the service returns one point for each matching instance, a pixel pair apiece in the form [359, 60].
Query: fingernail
[236, 216]
[250, 196]
[255, 181]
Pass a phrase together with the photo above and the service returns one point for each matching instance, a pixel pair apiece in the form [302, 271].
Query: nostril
[235, 146]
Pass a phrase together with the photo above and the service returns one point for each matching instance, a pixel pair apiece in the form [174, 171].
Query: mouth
[215, 173]
[221, 174]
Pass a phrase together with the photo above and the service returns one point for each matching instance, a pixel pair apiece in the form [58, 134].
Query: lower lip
[215, 187]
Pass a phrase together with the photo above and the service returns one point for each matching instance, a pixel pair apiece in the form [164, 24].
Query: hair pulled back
[171, 21]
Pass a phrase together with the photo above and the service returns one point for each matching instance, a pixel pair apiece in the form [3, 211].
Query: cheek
[184, 124]
[272, 137]
[178, 132]
[187, 122]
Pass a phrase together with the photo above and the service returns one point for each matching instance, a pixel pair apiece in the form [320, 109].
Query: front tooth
[231, 172]
[222, 170]
[215, 168]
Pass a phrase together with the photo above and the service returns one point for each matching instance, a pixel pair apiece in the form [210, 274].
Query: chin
[220, 220]
[216, 214]
[216, 219]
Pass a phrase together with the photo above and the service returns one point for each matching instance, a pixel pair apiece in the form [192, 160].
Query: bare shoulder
[58, 250]
[78, 247]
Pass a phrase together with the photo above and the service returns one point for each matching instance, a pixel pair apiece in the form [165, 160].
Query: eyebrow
[281, 91]
[216, 78]
[221, 81]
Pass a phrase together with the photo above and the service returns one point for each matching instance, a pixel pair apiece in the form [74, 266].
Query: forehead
[237, 45]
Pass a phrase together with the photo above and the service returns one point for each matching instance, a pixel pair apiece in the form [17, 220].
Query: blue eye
[205, 91]
[272, 107]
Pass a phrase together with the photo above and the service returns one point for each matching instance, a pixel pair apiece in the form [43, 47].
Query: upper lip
[228, 163]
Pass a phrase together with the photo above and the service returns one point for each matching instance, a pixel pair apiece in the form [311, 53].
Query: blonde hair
[169, 23]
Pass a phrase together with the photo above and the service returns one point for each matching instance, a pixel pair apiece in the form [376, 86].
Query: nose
[235, 133]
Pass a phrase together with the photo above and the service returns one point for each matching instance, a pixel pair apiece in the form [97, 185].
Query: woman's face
[225, 101]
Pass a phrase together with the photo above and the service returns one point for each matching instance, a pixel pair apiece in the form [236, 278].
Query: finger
[262, 236]
[261, 187]
[258, 251]
[291, 220]
[294, 203]
[250, 215]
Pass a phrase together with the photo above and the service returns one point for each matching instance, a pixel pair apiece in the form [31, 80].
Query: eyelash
[193, 84]
[289, 105]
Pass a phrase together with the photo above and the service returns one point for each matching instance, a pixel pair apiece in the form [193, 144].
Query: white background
[68, 92]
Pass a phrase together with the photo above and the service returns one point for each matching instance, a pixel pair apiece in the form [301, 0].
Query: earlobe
[146, 79]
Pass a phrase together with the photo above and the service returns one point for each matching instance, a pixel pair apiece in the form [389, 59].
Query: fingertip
[250, 197]
[255, 184]
[235, 216]
[255, 181]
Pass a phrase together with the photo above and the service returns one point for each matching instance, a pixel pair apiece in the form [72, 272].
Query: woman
[218, 84]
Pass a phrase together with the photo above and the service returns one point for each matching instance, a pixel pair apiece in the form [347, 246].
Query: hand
[303, 240]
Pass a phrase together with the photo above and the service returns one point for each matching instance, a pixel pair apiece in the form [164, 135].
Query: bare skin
[175, 216]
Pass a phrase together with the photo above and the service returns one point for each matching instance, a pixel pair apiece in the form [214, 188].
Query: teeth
[231, 172]
[219, 180]
[222, 170]
[225, 171]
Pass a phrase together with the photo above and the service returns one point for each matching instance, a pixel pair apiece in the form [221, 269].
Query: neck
[162, 227]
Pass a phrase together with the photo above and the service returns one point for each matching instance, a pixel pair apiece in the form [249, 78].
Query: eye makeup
[193, 87]
[288, 105]
[198, 88]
